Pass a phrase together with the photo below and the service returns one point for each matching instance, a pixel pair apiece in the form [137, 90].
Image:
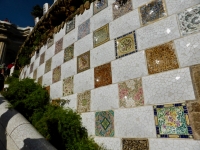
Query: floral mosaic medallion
[101, 35]
[152, 11]
[125, 45]
[83, 62]
[31, 68]
[48, 65]
[56, 74]
[40, 80]
[42, 58]
[189, 20]
[84, 29]
[161, 58]
[120, 8]
[102, 75]
[84, 102]
[70, 25]
[104, 123]
[68, 86]
[35, 74]
[131, 93]
[135, 144]
[69, 53]
[59, 46]
[172, 121]
[50, 42]
[195, 74]
[99, 5]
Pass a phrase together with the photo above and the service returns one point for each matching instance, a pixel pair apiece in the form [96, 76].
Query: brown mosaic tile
[42, 58]
[50, 42]
[35, 74]
[195, 74]
[56, 74]
[69, 53]
[59, 46]
[48, 66]
[161, 58]
[99, 5]
[135, 144]
[31, 68]
[121, 8]
[48, 89]
[83, 62]
[101, 35]
[40, 80]
[102, 75]
[131, 93]
[68, 86]
[84, 102]
[152, 11]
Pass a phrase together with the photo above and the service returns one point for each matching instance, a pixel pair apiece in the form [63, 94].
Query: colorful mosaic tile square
[135, 144]
[104, 123]
[48, 65]
[121, 8]
[56, 74]
[102, 75]
[31, 68]
[195, 74]
[35, 74]
[189, 20]
[99, 5]
[84, 29]
[101, 35]
[125, 45]
[69, 53]
[42, 58]
[131, 93]
[83, 62]
[68, 86]
[59, 46]
[70, 25]
[40, 80]
[84, 102]
[50, 42]
[161, 58]
[172, 121]
[152, 11]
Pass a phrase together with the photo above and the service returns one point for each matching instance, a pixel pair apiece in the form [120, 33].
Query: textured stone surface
[84, 100]
[135, 144]
[195, 74]
[138, 3]
[47, 78]
[68, 86]
[56, 90]
[56, 74]
[71, 101]
[50, 52]
[88, 121]
[109, 143]
[57, 59]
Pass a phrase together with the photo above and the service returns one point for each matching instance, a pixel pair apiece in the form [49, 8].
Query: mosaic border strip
[190, 133]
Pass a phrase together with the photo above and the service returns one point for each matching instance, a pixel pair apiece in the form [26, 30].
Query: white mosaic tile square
[47, 79]
[57, 60]
[86, 15]
[30, 75]
[40, 70]
[110, 2]
[84, 81]
[188, 50]
[109, 143]
[182, 4]
[129, 67]
[135, 122]
[60, 34]
[88, 121]
[71, 101]
[130, 22]
[69, 68]
[138, 3]
[102, 99]
[102, 54]
[56, 90]
[70, 38]
[83, 45]
[168, 87]
[101, 18]
[49, 52]
[173, 144]
[43, 49]
[32, 59]
[157, 33]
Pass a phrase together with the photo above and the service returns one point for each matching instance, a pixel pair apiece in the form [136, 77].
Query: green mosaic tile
[69, 53]
[48, 66]
[68, 86]
[84, 102]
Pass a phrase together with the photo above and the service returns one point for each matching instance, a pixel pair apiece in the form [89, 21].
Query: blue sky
[19, 11]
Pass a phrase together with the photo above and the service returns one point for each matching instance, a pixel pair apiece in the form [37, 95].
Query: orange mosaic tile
[102, 75]
[161, 58]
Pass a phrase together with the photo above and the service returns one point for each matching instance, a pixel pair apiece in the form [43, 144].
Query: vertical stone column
[2, 51]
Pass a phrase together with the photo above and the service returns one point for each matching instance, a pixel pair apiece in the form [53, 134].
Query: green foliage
[37, 11]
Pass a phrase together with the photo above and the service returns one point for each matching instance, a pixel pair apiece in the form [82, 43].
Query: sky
[18, 12]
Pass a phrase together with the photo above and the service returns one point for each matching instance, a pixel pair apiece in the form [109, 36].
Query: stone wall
[127, 70]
